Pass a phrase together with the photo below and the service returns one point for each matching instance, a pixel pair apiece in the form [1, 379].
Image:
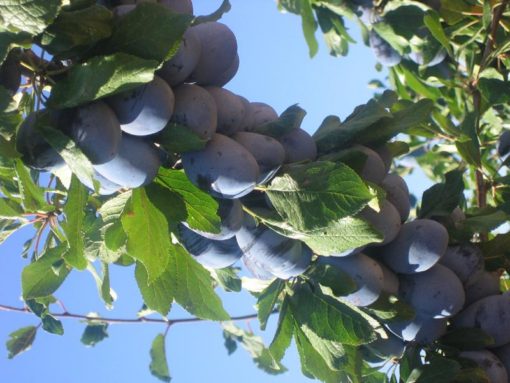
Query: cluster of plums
[383, 51]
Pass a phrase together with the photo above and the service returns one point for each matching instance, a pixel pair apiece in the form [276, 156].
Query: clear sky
[275, 68]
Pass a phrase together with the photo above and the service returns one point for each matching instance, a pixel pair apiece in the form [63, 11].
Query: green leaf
[227, 278]
[267, 300]
[200, 208]
[464, 339]
[193, 288]
[147, 234]
[94, 333]
[216, 15]
[433, 23]
[311, 196]
[468, 144]
[21, 340]
[177, 138]
[51, 324]
[328, 318]
[389, 307]
[44, 276]
[289, 120]
[442, 198]
[255, 346]
[284, 332]
[159, 294]
[331, 280]
[10, 39]
[309, 26]
[74, 224]
[387, 33]
[32, 195]
[31, 16]
[440, 370]
[150, 31]
[159, 364]
[10, 209]
[99, 77]
[10, 116]
[494, 91]
[73, 32]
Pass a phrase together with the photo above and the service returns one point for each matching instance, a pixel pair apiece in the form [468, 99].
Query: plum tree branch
[168, 322]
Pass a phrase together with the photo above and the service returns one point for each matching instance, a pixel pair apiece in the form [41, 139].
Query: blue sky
[275, 68]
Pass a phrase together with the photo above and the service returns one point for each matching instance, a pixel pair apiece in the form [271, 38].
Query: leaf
[267, 300]
[177, 138]
[463, 339]
[99, 77]
[440, 370]
[255, 347]
[309, 26]
[328, 318]
[94, 333]
[289, 120]
[193, 288]
[159, 365]
[10, 209]
[52, 325]
[216, 15]
[32, 195]
[442, 198]
[21, 340]
[331, 280]
[284, 332]
[311, 196]
[150, 31]
[200, 208]
[159, 294]
[31, 16]
[433, 23]
[389, 307]
[74, 224]
[468, 144]
[147, 234]
[40, 278]
[73, 32]
[10, 116]
[227, 278]
[10, 39]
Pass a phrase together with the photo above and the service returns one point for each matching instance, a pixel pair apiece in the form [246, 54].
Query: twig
[168, 322]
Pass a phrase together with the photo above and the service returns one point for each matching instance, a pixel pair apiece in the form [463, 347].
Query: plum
[95, 130]
[504, 143]
[398, 196]
[366, 273]
[145, 110]
[219, 52]
[229, 73]
[231, 215]
[106, 187]
[257, 114]
[391, 282]
[503, 354]
[35, 151]
[490, 363]
[373, 169]
[196, 109]
[176, 70]
[419, 59]
[224, 168]
[386, 156]
[299, 146]
[383, 51]
[256, 269]
[386, 221]
[481, 285]
[215, 254]
[418, 246]
[436, 293]
[268, 153]
[465, 260]
[390, 348]
[422, 329]
[281, 256]
[10, 72]
[136, 164]
[230, 110]
[178, 6]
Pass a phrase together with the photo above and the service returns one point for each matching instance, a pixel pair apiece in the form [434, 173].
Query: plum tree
[281, 256]
[386, 221]
[418, 246]
[95, 129]
[10, 72]
[230, 110]
[176, 70]
[136, 164]
[145, 110]
[230, 212]
[366, 273]
[504, 143]
[490, 363]
[219, 51]
[299, 146]
[465, 260]
[383, 51]
[267, 151]
[436, 293]
[224, 168]
[212, 253]
[195, 108]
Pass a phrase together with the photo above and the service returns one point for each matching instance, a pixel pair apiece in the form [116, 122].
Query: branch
[168, 322]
